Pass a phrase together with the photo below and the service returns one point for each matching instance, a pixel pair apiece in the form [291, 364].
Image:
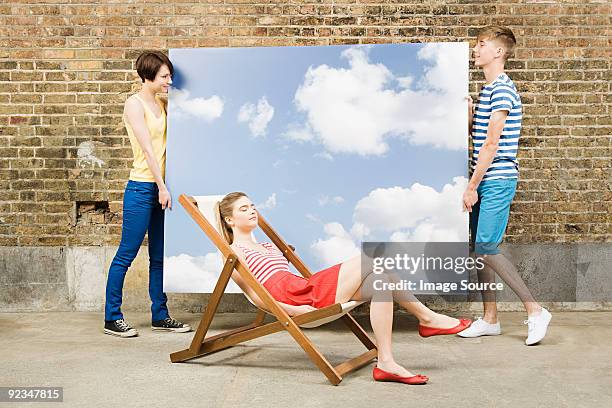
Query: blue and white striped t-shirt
[499, 95]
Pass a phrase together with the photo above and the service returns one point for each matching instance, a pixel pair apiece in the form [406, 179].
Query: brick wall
[66, 69]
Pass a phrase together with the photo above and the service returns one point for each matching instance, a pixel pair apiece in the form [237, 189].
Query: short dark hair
[503, 35]
[149, 62]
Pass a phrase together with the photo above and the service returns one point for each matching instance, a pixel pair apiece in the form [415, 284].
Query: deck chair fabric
[202, 210]
[207, 206]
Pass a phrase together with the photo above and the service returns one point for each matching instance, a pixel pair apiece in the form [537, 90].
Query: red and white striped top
[264, 264]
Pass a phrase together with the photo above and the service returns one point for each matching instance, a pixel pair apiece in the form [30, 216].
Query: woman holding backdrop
[146, 197]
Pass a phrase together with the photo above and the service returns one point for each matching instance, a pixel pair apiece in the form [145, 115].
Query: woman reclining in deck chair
[338, 284]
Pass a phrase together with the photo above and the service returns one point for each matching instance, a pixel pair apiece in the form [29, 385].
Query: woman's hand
[164, 199]
[298, 310]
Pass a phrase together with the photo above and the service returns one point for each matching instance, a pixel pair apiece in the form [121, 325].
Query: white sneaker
[537, 326]
[481, 328]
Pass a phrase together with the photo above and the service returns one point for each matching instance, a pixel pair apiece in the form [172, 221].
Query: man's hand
[164, 199]
[470, 106]
[470, 113]
[470, 197]
[298, 310]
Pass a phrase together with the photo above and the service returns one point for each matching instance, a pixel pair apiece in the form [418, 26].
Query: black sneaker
[169, 324]
[119, 328]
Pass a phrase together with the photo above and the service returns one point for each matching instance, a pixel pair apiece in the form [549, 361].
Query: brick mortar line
[326, 26]
[563, 8]
[593, 14]
[42, 49]
[593, 8]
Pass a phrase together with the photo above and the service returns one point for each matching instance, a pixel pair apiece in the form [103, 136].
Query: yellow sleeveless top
[157, 132]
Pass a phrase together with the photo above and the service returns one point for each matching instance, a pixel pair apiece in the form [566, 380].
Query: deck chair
[201, 209]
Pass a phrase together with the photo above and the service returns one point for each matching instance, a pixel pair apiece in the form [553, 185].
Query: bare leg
[381, 314]
[508, 272]
[381, 319]
[426, 316]
[351, 280]
[487, 275]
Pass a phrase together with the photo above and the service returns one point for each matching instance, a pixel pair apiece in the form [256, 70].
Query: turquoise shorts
[489, 216]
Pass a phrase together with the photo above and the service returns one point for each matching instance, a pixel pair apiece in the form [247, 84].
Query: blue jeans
[141, 213]
[489, 216]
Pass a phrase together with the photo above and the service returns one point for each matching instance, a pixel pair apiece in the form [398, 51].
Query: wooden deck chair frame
[202, 345]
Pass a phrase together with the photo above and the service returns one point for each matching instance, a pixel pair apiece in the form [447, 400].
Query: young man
[145, 199]
[495, 128]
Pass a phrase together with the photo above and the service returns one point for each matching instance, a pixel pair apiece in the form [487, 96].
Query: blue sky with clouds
[335, 144]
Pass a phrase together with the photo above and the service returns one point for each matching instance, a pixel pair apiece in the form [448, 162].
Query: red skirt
[318, 291]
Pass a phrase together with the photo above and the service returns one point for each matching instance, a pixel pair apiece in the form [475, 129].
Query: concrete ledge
[33, 279]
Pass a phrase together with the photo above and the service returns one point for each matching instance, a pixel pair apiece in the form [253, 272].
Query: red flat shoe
[381, 375]
[425, 331]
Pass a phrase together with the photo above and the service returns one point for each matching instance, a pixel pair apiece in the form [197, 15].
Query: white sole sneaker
[473, 335]
[129, 333]
[175, 330]
[481, 328]
[538, 326]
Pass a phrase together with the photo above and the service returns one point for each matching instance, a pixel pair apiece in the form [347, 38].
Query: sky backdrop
[335, 144]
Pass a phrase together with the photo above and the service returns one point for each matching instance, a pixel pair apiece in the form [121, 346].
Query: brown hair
[149, 62]
[224, 209]
[503, 35]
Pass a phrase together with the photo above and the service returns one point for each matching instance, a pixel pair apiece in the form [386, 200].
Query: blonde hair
[224, 208]
[503, 35]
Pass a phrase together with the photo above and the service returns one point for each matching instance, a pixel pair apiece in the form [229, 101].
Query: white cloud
[400, 236]
[207, 109]
[359, 231]
[324, 200]
[270, 202]
[446, 71]
[419, 213]
[405, 82]
[325, 156]
[356, 109]
[337, 247]
[298, 133]
[257, 116]
[313, 218]
[415, 214]
[194, 274]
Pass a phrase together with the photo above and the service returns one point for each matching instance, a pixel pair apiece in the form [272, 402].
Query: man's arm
[485, 156]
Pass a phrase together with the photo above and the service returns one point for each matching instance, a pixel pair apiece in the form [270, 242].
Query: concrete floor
[571, 368]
